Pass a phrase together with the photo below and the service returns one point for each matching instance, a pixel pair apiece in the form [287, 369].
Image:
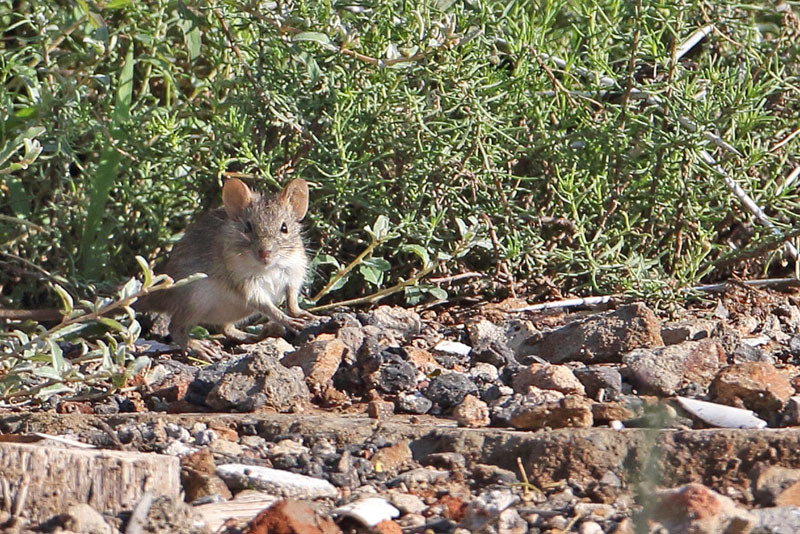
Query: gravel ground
[472, 420]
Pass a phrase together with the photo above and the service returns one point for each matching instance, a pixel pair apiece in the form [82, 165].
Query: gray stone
[664, 370]
[407, 323]
[601, 378]
[692, 330]
[449, 389]
[281, 483]
[452, 461]
[600, 338]
[777, 520]
[86, 520]
[419, 476]
[407, 503]
[413, 403]
[486, 507]
[258, 380]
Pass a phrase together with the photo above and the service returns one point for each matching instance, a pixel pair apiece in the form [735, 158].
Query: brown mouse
[252, 250]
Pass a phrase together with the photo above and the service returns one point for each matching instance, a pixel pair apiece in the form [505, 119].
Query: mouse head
[237, 198]
[268, 226]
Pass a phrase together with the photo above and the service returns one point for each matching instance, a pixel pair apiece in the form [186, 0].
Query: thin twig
[566, 303]
[692, 40]
[745, 199]
[455, 278]
[765, 282]
[785, 140]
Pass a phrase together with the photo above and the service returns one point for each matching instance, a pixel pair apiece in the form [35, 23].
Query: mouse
[252, 251]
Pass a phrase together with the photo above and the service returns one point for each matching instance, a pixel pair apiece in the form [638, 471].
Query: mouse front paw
[202, 348]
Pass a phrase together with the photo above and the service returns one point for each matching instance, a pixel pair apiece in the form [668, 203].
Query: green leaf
[316, 37]
[47, 372]
[68, 330]
[377, 263]
[54, 389]
[130, 288]
[146, 271]
[111, 323]
[57, 357]
[117, 4]
[436, 292]
[371, 275]
[122, 107]
[66, 299]
[19, 141]
[189, 279]
[340, 282]
[192, 34]
[419, 251]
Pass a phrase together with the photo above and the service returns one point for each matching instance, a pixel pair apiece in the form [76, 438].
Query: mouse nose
[262, 254]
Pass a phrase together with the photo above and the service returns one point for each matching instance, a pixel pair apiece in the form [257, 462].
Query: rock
[86, 520]
[380, 409]
[472, 413]
[449, 389]
[408, 503]
[319, 360]
[665, 370]
[291, 517]
[605, 412]
[389, 373]
[406, 323]
[258, 380]
[489, 343]
[778, 520]
[745, 353]
[693, 330]
[422, 360]
[595, 511]
[777, 486]
[483, 331]
[510, 522]
[198, 477]
[280, 483]
[697, 509]
[419, 477]
[791, 412]
[600, 338]
[453, 347]
[571, 411]
[452, 461]
[369, 511]
[486, 508]
[352, 337]
[484, 373]
[491, 474]
[413, 403]
[757, 386]
[590, 527]
[518, 336]
[601, 382]
[391, 458]
[169, 514]
[554, 377]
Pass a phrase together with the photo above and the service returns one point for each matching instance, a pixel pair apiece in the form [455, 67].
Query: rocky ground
[471, 420]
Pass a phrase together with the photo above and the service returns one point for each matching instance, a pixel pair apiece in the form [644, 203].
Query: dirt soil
[481, 419]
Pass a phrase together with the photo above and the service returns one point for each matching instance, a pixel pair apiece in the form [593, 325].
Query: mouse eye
[284, 229]
[248, 228]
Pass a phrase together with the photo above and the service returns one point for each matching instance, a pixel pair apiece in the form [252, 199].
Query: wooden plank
[50, 478]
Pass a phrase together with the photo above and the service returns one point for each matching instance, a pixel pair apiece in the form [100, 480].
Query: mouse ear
[236, 196]
[295, 194]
